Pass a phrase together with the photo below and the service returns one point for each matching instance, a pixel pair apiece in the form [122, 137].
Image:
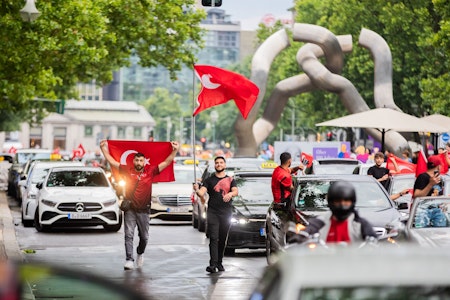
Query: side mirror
[39, 185]
[23, 176]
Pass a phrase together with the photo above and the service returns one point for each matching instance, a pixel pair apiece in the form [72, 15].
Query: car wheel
[230, 251]
[114, 228]
[27, 223]
[39, 227]
[194, 221]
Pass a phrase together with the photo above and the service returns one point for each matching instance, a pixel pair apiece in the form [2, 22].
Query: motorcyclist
[343, 223]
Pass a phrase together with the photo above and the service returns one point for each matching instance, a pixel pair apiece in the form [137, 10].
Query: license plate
[178, 209]
[79, 216]
[262, 231]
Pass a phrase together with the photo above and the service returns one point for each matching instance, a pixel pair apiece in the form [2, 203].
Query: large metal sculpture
[320, 42]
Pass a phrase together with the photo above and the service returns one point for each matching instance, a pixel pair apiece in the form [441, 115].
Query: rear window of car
[312, 195]
[22, 158]
[254, 190]
[76, 178]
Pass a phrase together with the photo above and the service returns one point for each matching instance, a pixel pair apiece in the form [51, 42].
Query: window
[137, 132]
[121, 132]
[88, 131]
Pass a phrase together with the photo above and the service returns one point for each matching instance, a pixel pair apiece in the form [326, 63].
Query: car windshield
[432, 213]
[186, 176]
[377, 292]
[254, 190]
[76, 178]
[24, 157]
[400, 184]
[333, 169]
[312, 195]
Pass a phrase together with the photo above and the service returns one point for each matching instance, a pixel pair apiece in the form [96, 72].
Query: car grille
[248, 234]
[175, 200]
[88, 206]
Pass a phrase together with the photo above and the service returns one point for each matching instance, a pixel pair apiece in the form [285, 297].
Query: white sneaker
[129, 265]
[140, 260]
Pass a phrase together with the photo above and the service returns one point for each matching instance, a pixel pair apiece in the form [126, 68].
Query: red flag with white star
[220, 86]
[154, 152]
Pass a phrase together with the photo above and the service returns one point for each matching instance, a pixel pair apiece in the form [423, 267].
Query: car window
[333, 169]
[376, 292]
[22, 158]
[76, 178]
[432, 213]
[254, 190]
[186, 176]
[400, 184]
[38, 175]
[311, 195]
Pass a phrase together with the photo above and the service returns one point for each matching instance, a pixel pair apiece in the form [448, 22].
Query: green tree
[84, 40]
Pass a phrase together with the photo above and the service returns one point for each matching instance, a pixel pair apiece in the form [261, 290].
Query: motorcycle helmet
[340, 190]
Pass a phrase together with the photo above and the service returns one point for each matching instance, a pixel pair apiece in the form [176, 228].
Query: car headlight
[48, 203]
[122, 182]
[109, 202]
[156, 200]
[241, 221]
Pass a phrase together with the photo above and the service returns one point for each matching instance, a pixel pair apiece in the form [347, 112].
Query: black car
[308, 200]
[249, 211]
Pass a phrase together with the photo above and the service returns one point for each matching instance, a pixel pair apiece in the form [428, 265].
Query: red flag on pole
[154, 152]
[421, 163]
[307, 157]
[404, 166]
[220, 86]
[444, 165]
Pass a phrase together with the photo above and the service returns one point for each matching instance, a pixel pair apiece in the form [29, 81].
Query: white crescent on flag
[123, 157]
[206, 81]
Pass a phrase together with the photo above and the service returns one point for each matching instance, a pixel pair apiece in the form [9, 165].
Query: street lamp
[214, 115]
[29, 12]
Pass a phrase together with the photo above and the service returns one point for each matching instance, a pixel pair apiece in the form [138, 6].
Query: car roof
[346, 177]
[76, 168]
[250, 173]
[337, 161]
[33, 150]
[51, 164]
[373, 266]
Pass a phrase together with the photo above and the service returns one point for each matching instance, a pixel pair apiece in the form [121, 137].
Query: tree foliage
[84, 40]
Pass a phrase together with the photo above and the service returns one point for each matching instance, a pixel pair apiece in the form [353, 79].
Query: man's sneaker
[140, 261]
[129, 265]
[211, 269]
[221, 268]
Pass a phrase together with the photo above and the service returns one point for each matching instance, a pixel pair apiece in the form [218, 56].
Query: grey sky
[250, 12]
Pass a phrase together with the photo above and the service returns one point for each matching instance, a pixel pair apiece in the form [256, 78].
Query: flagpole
[193, 124]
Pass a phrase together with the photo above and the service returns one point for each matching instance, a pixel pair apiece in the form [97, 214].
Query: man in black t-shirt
[426, 182]
[221, 189]
[380, 173]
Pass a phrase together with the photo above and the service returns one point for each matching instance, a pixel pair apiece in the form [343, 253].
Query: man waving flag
[220, 86]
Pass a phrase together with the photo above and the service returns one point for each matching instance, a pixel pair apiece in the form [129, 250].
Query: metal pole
[193, 125]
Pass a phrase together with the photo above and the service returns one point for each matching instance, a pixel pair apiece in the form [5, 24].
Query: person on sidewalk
[139, 179]
[221, 189]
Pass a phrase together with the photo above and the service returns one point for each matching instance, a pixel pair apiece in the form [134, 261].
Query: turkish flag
[421, 163]
[404, 166]
[308, 157]
[154, 152]
[12, 150]
[220, 86]
[444, 165]
[78, 152]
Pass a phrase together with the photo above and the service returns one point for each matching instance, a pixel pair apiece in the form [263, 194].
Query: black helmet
[341, 190]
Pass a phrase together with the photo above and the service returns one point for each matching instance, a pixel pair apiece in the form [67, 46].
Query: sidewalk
[9, 247]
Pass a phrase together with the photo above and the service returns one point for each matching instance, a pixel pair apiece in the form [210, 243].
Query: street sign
[445, 137]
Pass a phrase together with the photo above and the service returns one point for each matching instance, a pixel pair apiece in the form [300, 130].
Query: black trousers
[218, 227]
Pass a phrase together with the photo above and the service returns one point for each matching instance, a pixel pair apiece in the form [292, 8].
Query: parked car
[6, 160]
[172, 200]
[429, 221]
[29, 191]
[333, 166]
[77, 196]
[308, 200]
[248, 220]
[233, 165]
[356, 273]
[20, 158]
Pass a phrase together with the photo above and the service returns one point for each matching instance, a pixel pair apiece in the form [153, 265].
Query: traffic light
[214, 3]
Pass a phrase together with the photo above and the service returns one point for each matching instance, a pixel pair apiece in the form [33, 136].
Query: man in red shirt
[282, 179]
[139, 179]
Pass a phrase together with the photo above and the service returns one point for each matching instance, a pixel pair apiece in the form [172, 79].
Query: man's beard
[219, 170]
[138, 167]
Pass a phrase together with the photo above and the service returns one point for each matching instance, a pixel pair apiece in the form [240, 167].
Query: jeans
[431, 217]
[131, 220]
[218, 227]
